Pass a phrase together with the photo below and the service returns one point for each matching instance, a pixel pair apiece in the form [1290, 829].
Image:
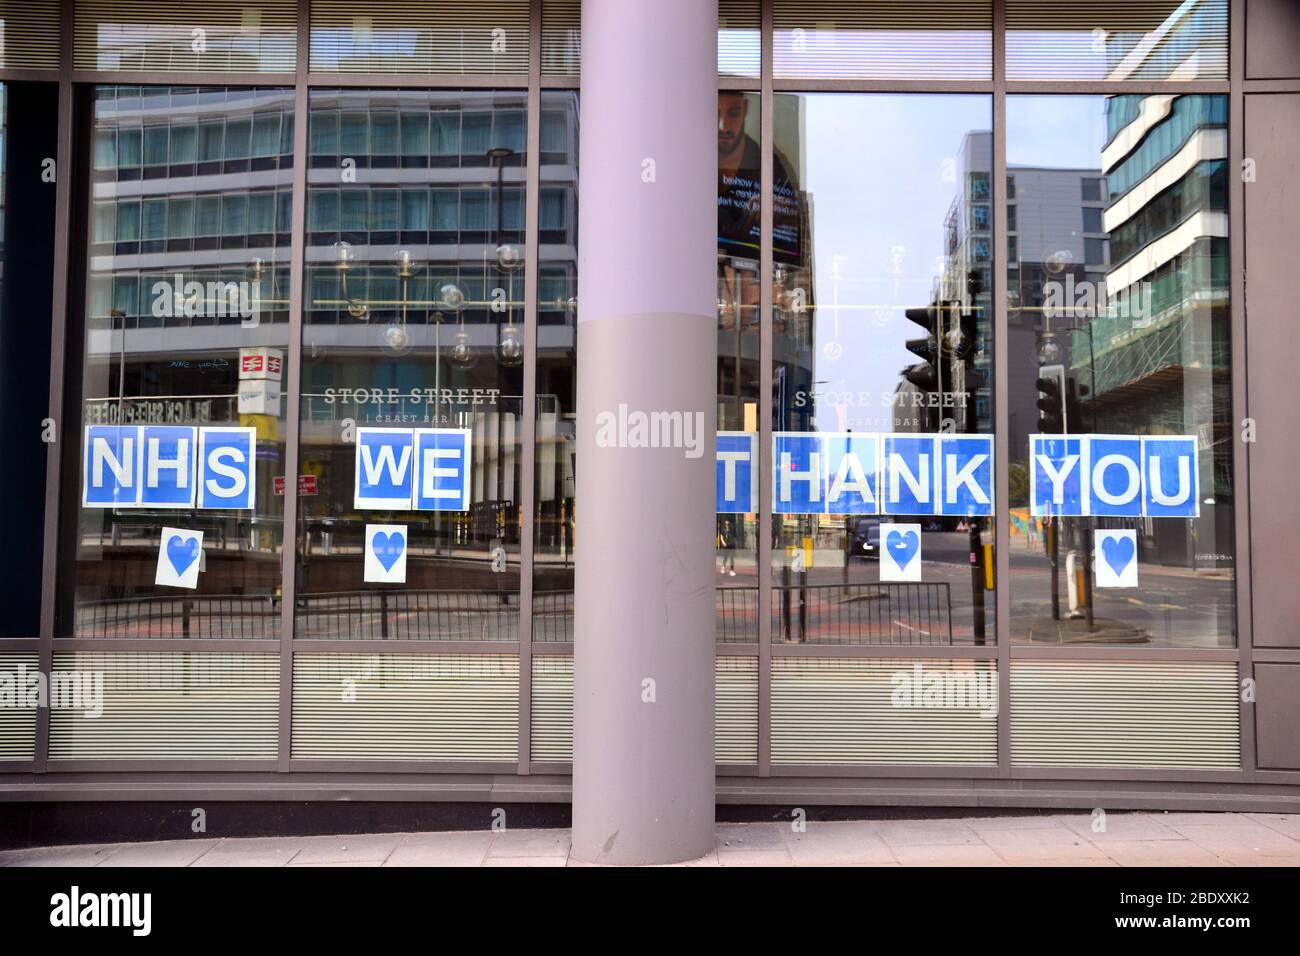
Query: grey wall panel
[1272, 212]
[1272, 39]
[1277, 714]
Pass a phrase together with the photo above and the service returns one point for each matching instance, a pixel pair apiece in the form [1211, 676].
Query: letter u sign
[1115, 476]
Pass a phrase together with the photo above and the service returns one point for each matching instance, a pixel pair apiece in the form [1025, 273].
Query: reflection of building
[1054, 234]
[1157, 354]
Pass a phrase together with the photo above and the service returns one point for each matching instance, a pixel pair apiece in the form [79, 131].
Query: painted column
[643, 774]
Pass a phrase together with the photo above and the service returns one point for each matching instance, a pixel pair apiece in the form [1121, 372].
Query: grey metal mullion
[1243, 594]
[1001, 391]
[64, 431]
[763, 552]
[528, 451]
[293, 387]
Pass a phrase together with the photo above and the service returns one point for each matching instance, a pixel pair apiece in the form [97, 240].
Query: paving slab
[1056, 839]
[166, 853]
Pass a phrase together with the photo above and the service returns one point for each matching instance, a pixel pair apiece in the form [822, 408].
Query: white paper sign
[386, 554]
[900, 552]
[180, 557]
[1114, 559]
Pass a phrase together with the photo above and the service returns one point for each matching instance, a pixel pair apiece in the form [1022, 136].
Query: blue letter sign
[169, 466]
[1114, 476]
[413, 469]
[737, 473]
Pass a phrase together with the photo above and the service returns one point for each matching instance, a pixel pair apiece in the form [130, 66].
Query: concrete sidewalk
[1062, 839]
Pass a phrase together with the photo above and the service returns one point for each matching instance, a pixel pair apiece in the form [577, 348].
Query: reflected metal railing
[837, 614]
[854, 614]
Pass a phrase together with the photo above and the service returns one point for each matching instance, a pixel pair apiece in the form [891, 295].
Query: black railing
[813, 614]
[863, 614]
[205, 617]
[410, 616]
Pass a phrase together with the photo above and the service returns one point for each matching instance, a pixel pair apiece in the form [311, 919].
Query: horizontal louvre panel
[844, 711]
[406, 706]
[209, 36]
[739, 47]
[1180, 714]
[561, 37]
[739, 52]
[29, 34]
[883, 39]
[1117, 40]
[171, 705]
[552, 705]
[17, 722]
[735, 710]
[416, 36]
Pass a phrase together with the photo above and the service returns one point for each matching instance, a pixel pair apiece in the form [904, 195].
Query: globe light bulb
[462, 353]
[510, 350]
[452, 296]
[1049, 353]
[509, 257]
[397, 339]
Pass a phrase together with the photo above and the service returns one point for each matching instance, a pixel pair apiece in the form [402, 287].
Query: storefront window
[557, 367]
[882, 343]
[739, 389]
[412, 383]
[1121, 434]
[185, 320]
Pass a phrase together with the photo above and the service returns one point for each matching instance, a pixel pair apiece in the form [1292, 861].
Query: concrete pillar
[643, 766]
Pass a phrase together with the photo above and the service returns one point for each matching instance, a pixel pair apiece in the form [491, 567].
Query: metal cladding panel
[857, 711]
[171, 705]
[415, 36]
[29, 34]
[735, 710]
[209, 36]
[462, 707]
[1179, 714]
[17, 723]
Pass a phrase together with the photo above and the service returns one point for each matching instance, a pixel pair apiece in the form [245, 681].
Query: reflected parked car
[866, 539]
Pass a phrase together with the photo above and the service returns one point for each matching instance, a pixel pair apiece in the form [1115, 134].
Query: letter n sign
[139, 467]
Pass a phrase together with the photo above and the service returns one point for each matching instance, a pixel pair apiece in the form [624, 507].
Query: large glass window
[739, 373]
[412, 379]
[184, 324]
[1120, 393]
[557, 395]
[883, 528]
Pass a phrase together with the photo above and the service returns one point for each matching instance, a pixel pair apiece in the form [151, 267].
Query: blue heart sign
[385, 559]
[900, 558]
[180, 558]
[1115, 561]
[182, 552]
[388, 548]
